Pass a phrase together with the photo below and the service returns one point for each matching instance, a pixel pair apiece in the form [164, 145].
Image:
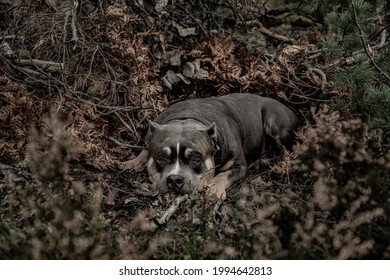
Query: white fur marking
[176, 168]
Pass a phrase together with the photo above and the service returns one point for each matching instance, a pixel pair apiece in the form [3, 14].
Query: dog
[208, 143]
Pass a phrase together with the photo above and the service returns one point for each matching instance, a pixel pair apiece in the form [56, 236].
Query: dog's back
[240, 116]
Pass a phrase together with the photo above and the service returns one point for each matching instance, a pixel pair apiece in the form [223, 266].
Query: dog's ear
[212, 133]
[212, 130]
[152, 128]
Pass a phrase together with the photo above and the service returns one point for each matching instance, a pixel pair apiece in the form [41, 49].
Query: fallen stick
[321, 74]
[45, 65]
[260, 27]
[169, 212]
[50, 66]
[10, 37]
[28, 71]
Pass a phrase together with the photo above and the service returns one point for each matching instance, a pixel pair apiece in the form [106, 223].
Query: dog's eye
[196, 160]
[162, 160]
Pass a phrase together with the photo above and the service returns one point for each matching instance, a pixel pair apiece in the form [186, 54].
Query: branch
[11, 37]
[380, 32]
[169, 212]
[321, 74]
[260, 27]
[132, 130]
[123, 144]
[383, 73]
[75, 38]
[50, 66]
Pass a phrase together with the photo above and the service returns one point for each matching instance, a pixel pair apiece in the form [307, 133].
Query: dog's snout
[175, 182]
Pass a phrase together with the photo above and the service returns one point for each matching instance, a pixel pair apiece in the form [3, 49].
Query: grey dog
[208, 143]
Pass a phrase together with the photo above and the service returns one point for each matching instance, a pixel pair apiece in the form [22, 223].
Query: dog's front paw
[137, 164]
[133, 164]
[214, 195]
[216, 192]
[216, 189]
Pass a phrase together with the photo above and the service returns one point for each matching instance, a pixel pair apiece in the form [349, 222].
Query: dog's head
[181, 155]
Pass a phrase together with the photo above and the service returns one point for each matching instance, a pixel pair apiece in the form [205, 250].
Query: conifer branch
[376, 66]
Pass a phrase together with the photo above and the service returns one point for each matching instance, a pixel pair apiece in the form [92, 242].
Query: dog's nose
[175, 182]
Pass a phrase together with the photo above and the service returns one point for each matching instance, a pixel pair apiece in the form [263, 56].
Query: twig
[384, 74]
[380, 32]
[66, 20]
[124, 123]
[73, 94]
[11, 37]
[113, 109]
[75, 38]
[123, 144]
[28, 71]
[46, 65]
[169, 212]
[322, 75]
[354, 58]
[70, 12]
[260, 27]
[383, 38]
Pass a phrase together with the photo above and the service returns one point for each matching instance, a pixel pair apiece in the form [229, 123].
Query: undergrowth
[336, 206]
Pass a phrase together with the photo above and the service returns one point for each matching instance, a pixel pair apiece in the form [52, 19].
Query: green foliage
[367, 89]
[338, 105]
[359, 80]
[367, 96]
[331, 49]
[341, 25]
[378, 102]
